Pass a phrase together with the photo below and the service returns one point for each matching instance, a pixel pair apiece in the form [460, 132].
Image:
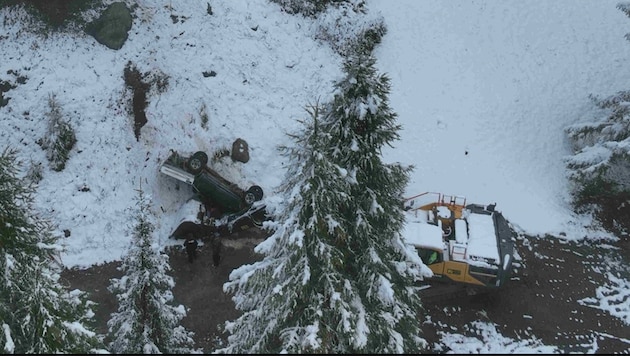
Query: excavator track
[432, 293]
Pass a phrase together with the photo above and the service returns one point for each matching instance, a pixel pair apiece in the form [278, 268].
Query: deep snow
[500, 81]
[483, 90]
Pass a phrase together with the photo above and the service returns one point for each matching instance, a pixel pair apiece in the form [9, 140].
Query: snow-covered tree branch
[38, 315]
[336, 276]
[147, 321]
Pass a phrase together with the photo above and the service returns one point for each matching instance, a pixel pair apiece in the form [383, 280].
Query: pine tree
[37, 314]
[599, 166]
[336, 276]
[146, 321]
[60, 137]
[362, 124]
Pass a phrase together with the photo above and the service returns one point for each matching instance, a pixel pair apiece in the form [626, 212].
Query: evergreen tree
[37, 314]
[146, 321]
[336, 276]
[60, 137]
[600, 165]
[362, 124]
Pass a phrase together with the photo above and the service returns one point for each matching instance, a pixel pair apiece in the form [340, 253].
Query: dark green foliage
[309, 8]
[601, 159]
[36, 313]
[337, 276]
[600, 165]
[55, 14]
[146, 321]
[594, 189]
[60, 137]
[364, 124]
[350, 30]
[369, 38]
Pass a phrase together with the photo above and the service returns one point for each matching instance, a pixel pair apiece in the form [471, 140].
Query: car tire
[253, 194]
[197, 162]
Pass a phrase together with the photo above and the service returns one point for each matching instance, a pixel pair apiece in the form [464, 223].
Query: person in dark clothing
[216, 250]
[191, 248]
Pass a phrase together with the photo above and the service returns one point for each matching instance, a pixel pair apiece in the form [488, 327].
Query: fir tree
[146, 321]
[600, 164]
[362, 124]
[37, 314]
[60, 137]
[599, 167]
[336, 276]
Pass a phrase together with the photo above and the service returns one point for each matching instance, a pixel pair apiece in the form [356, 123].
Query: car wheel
[250, 198]
[256, 191]
[197, 161]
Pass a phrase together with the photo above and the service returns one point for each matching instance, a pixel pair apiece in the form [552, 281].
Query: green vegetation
[60, 137]
[55, 14]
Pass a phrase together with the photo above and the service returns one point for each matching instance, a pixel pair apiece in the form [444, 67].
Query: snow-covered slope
[484, 90]
[268, 69]
[499, 80]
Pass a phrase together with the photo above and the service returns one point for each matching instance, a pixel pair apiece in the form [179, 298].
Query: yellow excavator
[467, 244]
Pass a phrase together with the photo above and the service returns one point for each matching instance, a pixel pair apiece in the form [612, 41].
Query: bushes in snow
[351, 34]
[37, 315]
[309, 8]
[344, 24]
[601, 163]
[60, 137]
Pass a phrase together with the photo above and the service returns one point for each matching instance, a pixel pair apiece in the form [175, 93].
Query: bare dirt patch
[198, 285]
[540, 301]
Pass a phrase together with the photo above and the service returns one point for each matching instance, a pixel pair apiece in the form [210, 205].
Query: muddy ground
[540, 301]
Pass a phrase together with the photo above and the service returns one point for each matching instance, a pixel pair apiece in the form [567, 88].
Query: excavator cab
[468, 244]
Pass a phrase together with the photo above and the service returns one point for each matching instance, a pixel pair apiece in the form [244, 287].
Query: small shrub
[308, 8]
[55, 14]
[350, 30]
[203, 114]
[35, 173]
[60, 137]
[367, 40]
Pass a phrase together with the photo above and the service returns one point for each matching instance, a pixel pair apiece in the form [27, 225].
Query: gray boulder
[112, 27]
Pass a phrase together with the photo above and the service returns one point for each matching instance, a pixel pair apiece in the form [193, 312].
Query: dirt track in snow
[541, 301]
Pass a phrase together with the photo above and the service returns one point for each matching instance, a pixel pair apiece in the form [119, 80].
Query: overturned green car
[229, 205]
[212, 189]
